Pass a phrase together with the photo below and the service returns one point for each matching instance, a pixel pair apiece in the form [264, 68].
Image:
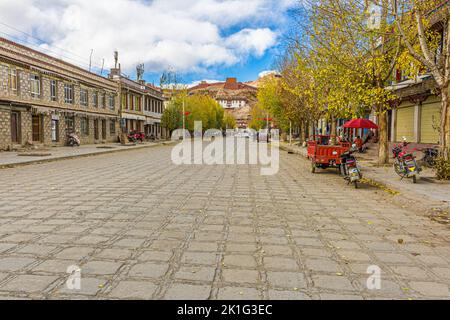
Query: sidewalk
[12, 159]
[427, 190]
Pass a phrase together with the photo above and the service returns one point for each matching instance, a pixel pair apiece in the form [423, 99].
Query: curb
[23, 164]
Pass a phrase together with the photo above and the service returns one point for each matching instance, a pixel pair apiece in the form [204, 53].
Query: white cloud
[185, 35]
[252, 41]
[267, 72]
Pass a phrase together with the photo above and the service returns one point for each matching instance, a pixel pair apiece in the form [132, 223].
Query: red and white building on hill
[237, 98]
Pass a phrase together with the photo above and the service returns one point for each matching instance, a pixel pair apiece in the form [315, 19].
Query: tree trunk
[383, 145]
[443, 132]
[333, 130]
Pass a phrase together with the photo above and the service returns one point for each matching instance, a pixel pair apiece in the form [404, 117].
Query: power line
[39, 48]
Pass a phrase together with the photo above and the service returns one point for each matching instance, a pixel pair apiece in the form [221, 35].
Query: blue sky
[199, 39]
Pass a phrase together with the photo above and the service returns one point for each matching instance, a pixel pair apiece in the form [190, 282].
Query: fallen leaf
[400, 241]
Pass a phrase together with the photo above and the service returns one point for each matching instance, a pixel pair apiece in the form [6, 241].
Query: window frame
[35, 79]
[16, 76]
[53, 95]
[111, 101]
[84, 126]
[112, 124]
[95, 99]
[84, 93]
[69, 89]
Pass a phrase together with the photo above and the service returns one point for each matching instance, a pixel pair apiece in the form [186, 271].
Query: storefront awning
[133, 117]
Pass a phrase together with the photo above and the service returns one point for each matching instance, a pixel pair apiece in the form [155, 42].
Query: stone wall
[5, 129]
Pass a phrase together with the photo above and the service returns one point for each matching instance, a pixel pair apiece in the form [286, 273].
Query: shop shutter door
[405, 122]
[429, 122]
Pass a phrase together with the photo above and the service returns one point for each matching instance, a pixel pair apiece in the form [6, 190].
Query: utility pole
[184, 122]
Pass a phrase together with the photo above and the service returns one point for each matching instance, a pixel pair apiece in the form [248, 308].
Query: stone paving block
[287, 295]
[129, 242]
[127, 289]
[245, 261]
[100, 267]
[91, 240]
[196, 273]
[36, 249]
[28, 283]
[148, 270]
[442, 272]
[238, 293]
[6, 246]
[14, 263]
[115, 254]
[280, 263]
[430, 289]
[179, 291]
[205, 258]
[323, 265]
[88, 286]
[241, 247]
[289, 280]
[203, 246]
[240, 276]
[54, 266]
[332, 282]
[74, 253]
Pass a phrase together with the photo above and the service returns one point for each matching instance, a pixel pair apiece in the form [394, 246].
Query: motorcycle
[73, 140]
[349, 167]
[136, 136]
[429, 156]
[405, 164]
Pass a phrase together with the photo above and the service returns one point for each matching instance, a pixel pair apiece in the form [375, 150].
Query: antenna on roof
[90, 60]
[116, 58]
[103, 65]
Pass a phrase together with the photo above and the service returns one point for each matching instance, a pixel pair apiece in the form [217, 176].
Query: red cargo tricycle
[324, 155]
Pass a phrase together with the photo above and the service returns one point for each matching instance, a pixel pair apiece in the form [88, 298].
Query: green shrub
[442, 169]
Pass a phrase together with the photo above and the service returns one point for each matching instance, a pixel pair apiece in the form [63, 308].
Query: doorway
[36, 128]
[96, 129]
[15, 127]
[104, 129]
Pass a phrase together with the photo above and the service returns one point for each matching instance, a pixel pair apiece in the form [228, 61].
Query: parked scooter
[73, 140]
[135, 136]
[429, 156]
[405, 164]
[349, 167]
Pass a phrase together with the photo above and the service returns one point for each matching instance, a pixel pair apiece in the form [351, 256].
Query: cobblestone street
[140, 227]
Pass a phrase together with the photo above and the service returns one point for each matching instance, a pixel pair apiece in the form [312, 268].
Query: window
[84, 124]
[111, 101]
[103, 100]
[68, 93]
[136, 103]
[112, 126]
[35, 85]
[132, 102]
[53, 90]
[70, 124]
[124, 101]
[12, 80]
[84, 97]
[95, 99]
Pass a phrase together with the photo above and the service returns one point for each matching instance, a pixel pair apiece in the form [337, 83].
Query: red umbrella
[360, 124]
